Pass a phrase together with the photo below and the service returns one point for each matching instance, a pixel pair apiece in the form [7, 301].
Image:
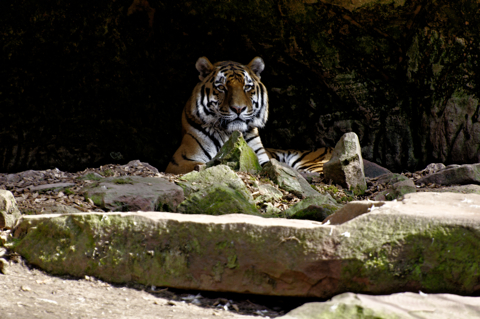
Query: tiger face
[231, 96]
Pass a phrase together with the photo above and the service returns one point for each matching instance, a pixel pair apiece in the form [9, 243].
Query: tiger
[230, 97]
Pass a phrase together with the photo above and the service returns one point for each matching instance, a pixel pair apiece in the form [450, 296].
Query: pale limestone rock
[427, 242]
[405, 305]
[345, 168]
[9, 212]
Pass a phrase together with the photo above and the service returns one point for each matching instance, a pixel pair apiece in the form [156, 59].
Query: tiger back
[230, 97]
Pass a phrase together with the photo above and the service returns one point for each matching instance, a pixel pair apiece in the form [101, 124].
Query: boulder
[458, 174]
[9, 212]
[373, 170]
[288, 179]
[217, 200]
[134, 193]
[427, 242]
[216, 175]
[405, 305]
[236, 154]
[397, 186]
[345, 168]
[215, 191]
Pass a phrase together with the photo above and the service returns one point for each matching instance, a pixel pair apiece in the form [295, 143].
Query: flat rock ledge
[428, 242]
[405, 305]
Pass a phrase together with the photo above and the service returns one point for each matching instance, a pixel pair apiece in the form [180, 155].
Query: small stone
[9, 212]
[433, 168]
[288, 179]
[315, 208]
[396, 187]
[4, 265]
[268, 193]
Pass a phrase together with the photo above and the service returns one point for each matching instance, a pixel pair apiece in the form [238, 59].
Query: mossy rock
[313, 208]
[216, 175]
[268, 194]
[217, 200]
[237, 155]
[397, 187]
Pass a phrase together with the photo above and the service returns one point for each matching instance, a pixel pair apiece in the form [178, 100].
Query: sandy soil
[31, 293]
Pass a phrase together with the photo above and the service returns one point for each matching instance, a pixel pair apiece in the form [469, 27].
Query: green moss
[68, 191]
[90, 177]
[438, 259]
[232, 262]
[98, 199]
[217, 200]
[108, 173]
[122, 181]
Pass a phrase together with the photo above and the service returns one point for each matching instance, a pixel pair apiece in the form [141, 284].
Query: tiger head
[230, 96]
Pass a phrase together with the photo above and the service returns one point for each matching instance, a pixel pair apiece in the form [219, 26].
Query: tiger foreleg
[188, 157]
[253, 140]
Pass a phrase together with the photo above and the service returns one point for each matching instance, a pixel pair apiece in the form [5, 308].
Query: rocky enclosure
[423, 241]
[86, 83]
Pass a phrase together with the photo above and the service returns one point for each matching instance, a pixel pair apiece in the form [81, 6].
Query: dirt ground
[27, 292]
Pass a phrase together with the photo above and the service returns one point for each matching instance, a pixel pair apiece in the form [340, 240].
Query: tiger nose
[238, 109]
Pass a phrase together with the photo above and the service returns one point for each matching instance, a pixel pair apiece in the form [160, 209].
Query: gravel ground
[27, 292]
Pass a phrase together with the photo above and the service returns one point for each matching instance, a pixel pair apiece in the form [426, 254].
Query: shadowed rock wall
[87, 83]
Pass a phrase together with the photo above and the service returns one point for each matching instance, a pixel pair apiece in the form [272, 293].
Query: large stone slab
[428, 242]
[396, 306]
[134, 193]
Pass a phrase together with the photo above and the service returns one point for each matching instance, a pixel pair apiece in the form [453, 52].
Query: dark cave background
[86, 84]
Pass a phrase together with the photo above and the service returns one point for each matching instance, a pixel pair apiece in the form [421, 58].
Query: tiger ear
[257, 65]
[204, 67]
